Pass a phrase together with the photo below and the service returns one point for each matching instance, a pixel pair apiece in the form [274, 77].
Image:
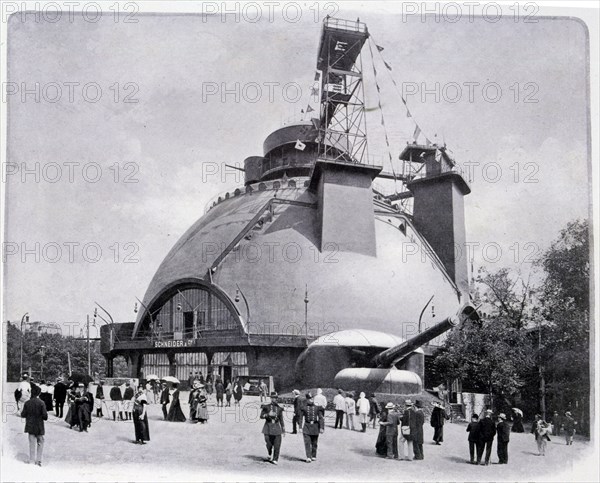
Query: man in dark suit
[274, 428]
[503, 430]
[164, 400]
[297, 418]
[60, 395]
[100, 398]
[487, 431]
[438, 416]
[313, 420]
[116, 397]
[34, 412]
[128, 395]
[417, 420]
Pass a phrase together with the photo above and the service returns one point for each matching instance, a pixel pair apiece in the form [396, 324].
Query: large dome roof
[279, 260]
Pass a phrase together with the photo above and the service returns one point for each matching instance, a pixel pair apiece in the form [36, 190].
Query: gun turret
[391, 356]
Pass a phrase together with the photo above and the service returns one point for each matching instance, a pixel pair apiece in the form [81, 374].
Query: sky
[126, 138]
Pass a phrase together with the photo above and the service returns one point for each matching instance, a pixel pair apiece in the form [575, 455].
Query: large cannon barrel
[392, 355]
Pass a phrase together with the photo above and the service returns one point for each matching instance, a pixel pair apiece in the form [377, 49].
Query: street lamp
[42, 348]
[306, 315]
[24, 318]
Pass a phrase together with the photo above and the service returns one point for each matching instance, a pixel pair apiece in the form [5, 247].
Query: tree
[495, 355]
[56, 350]
[505, 295]
[564, 311]
[491, 356]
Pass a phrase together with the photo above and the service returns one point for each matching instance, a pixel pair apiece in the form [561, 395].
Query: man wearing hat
[487, 431]
[340, 409]
[416, 430]
[438, 416]
[274, 428]
[503, 430]
[405, 437]
[60, 395]
[314, 424]
[570, 426]
[391, 430]
[99, 398]
[297, 418]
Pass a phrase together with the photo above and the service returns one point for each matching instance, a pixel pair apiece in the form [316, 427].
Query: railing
[298, 182]
[341, 24]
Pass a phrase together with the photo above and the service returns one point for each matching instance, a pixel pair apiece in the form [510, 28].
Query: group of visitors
[541, 430]
[401, 431]
[481, 438]
[400, 426]
[311, 419]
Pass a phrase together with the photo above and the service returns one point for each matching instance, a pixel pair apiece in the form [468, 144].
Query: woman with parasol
[175, 413]
[517, 426]
[197, 400]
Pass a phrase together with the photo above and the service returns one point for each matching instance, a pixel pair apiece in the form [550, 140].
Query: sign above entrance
[166, 344]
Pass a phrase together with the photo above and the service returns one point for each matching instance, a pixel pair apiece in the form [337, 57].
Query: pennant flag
[302, 111]
[415, 134]
[408, 114]
[309, 109]
[300, 146]
[387, 65]
[379, 47]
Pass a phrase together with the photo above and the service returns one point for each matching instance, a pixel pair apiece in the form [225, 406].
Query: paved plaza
[231, 447]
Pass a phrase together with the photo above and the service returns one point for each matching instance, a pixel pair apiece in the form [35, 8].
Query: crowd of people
[400, 435]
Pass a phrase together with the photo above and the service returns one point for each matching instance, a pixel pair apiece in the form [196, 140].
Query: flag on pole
[417, 133]
[300, 146]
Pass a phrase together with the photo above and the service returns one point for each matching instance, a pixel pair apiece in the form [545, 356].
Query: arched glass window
[188, 312]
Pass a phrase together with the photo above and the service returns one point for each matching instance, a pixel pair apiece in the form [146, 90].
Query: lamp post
[306, 315]
[42, 349]
[25, 317]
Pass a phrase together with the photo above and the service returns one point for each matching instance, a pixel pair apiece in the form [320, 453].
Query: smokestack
[345, 205]
[439, 212]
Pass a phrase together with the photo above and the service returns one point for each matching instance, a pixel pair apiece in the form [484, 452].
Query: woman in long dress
[175, 413]
[541, 436]
[381, 443]
[237, 392]
[140, 418]
[517, 426]
[71, 418]
[194, 399]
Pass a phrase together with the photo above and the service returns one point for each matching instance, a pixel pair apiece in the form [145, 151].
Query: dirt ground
[230, 447]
